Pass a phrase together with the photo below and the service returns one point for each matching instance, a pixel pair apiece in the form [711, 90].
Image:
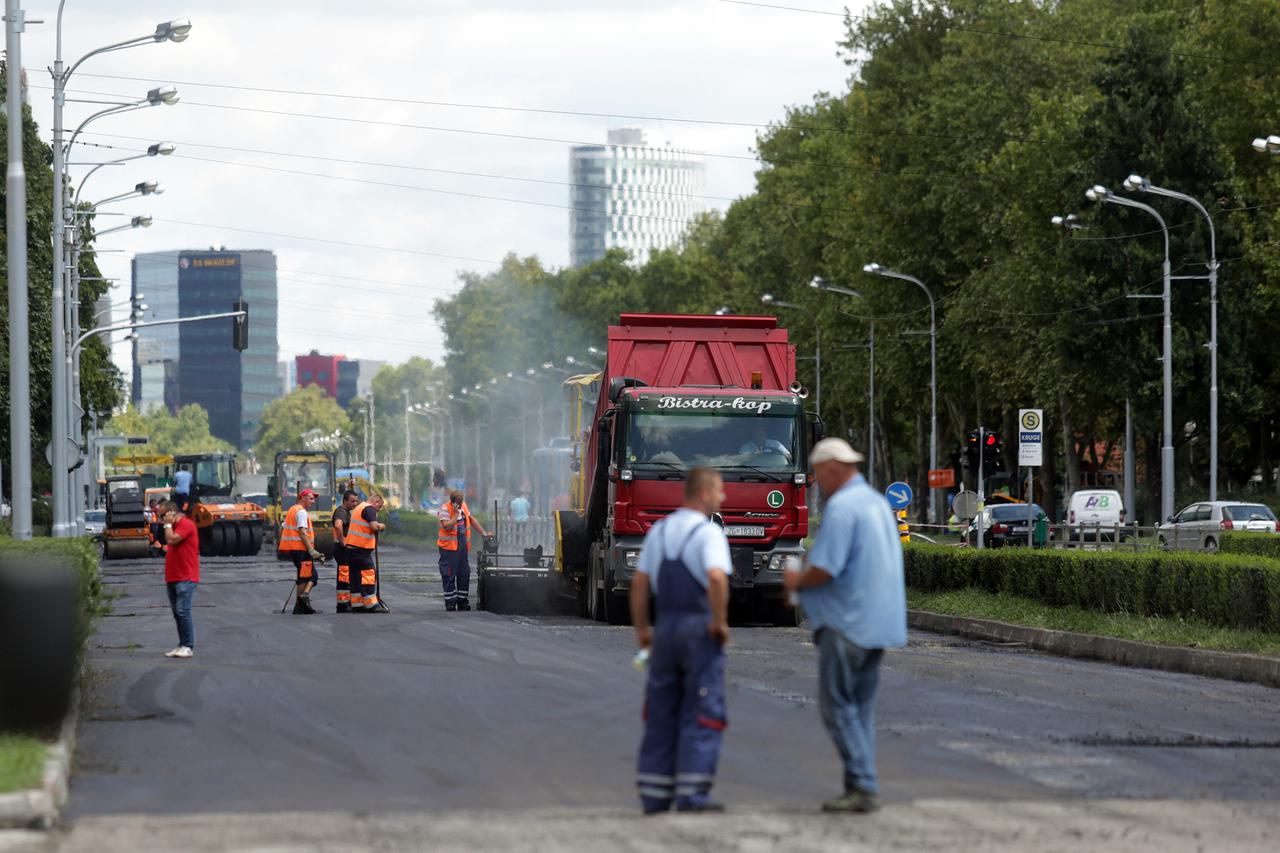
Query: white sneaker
[173, 653]
[183, 652]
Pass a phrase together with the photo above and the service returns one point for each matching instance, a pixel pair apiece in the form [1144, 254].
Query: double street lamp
[1101, 194]
[62, 427]
[884, 272]
[1137, 183]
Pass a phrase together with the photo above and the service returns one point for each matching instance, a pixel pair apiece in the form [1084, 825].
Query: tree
[285, 421]
[168, 434]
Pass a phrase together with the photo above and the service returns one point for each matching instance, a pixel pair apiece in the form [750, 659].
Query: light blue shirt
[520, 509]
[706, 549]
[858, 545]
[182, 483]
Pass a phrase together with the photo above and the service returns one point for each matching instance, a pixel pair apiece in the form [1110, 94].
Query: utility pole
[58, 428]
[407, 455]
[16, 234]
[982, 488]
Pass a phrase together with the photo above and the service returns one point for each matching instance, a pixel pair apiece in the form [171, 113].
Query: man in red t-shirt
[181, 574]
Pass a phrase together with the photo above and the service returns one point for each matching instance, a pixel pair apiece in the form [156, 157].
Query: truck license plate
[744, 530]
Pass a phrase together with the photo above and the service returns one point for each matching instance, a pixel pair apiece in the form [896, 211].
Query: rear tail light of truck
[1225, 524]
[999, 528]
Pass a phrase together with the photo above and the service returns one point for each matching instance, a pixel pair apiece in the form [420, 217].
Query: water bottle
[641, 660]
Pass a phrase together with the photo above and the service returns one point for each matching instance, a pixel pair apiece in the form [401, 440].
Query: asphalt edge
[39, 808]
[1232, 666]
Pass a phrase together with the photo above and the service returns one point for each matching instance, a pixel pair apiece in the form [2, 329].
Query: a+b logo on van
[775, 499]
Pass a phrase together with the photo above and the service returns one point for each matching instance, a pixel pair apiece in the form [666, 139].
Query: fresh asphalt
[427, 711]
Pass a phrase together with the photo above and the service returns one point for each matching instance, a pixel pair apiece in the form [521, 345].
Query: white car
[95, 522]
[1095, 513]
[1201, 525]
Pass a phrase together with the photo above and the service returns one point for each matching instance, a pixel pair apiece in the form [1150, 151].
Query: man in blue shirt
[685, 560]
[854, 595]
[519, 507]
[182, 491]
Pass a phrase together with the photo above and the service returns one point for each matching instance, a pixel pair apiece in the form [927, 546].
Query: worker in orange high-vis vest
[454, 542]
[360, 542]
[297, 540]
[342, 520]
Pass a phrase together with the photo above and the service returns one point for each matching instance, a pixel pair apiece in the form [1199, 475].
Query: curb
[1231, 666]
[38, 808]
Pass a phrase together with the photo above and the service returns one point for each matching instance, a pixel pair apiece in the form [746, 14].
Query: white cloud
[697, 59]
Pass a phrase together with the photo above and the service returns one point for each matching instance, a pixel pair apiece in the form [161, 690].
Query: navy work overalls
[684, 696]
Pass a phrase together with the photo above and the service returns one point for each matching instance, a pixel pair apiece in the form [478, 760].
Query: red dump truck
[679, 391]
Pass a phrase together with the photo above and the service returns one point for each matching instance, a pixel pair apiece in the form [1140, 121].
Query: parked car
[1094, 514]
[1004, 524]
[1200, 526]
[95, 521]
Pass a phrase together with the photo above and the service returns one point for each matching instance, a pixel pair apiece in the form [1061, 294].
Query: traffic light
[991, 453]
[240, 326]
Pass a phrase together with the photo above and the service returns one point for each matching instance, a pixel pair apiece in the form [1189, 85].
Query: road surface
[480, 731]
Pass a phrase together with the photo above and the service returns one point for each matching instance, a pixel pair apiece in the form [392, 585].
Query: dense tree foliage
[287, 420]
[966, 126]
[168, 434]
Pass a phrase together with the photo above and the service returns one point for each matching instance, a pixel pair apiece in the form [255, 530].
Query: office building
[627, 195]
[196, 362]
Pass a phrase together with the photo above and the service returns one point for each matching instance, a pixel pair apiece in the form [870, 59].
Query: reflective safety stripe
[691, 790]
[359, 533]
[694, 777]
[344, 574]
[357, 600]
[654, 793]
[291, 534]
[344, 597]
[368, 577]
[654, 779]
[371, 601]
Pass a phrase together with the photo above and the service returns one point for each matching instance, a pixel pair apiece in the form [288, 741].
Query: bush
[1257, 544]
[1231, 590]
[414, 525]
[82, 555]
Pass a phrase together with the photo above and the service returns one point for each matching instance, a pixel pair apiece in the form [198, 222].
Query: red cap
[306, 493]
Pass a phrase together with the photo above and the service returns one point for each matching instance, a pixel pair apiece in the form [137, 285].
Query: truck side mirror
[817, 429]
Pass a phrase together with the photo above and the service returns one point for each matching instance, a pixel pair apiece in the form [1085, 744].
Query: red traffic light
[991, 440]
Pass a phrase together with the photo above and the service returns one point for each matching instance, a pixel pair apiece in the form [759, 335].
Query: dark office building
[233, 386]
[348, 381]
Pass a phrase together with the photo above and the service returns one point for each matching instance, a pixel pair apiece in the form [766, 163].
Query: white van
[1094, 514]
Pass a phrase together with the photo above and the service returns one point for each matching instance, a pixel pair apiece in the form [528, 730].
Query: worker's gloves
[316, 556]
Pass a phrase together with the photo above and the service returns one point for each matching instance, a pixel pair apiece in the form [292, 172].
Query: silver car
[1201, 525]
[95, 521]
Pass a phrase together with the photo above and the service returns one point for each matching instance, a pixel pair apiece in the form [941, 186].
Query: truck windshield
[314, 474]
[713, 439]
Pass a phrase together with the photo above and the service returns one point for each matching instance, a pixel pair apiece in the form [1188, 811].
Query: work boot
[703, 806]
[464, 605]
[380, 607]
[304, 605]
[450, 605]
[853, 802]
[344, 608]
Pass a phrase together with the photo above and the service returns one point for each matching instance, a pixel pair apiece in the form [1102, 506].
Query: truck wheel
[255, 540]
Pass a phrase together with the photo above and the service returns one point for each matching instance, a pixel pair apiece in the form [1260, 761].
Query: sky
[364, 249]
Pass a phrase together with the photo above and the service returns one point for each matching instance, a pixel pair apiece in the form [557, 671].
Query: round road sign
[965, 505]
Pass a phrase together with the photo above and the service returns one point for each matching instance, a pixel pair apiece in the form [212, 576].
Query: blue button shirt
[520, 509]
[182, 483]
[858, 545]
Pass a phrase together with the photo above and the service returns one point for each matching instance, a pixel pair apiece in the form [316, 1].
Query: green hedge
[414, 525]
[1231, 590]
[1256, 544]
[82, 555]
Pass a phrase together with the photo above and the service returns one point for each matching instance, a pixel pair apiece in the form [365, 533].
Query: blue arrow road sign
[899, 495]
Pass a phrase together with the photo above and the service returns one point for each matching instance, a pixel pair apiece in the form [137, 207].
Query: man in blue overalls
[685, 562]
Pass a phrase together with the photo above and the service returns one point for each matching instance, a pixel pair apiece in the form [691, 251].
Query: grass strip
[21, 762]
[1164, 631]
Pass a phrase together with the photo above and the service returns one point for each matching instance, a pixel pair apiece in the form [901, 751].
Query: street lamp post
[19, 329]
[822, 284]
[175, 31]
[877, 269]
[1137, 183]
[768, 299]
[1100, 193]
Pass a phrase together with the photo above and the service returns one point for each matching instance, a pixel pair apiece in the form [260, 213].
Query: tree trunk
[1048, 474]
[1070, 457]
[1151, 456]
[922, 468]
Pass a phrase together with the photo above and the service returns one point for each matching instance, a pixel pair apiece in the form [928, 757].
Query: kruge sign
[715, 404]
